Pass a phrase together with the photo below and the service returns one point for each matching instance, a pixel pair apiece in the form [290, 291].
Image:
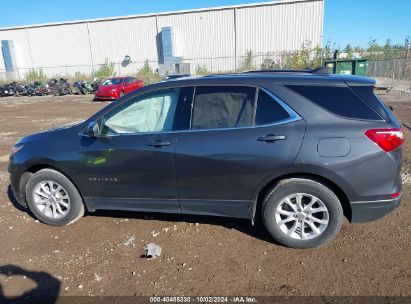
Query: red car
[115, 87]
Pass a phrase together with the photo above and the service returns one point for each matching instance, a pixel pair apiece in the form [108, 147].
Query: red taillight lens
[387, 139]
[396, 194]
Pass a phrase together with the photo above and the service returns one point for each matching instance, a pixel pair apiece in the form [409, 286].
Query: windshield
[111, 81]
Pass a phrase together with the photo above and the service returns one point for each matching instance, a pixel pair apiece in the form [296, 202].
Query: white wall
[281, 27]
[21, 48]
[198, 35]
[203, 35]
[57, 46]
[118, 38]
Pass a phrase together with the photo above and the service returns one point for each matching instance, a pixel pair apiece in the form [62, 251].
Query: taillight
[387, 139]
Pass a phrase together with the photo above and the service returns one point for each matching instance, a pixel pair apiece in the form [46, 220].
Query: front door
[130, 165]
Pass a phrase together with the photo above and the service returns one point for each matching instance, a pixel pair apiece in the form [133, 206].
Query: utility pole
[407, 48]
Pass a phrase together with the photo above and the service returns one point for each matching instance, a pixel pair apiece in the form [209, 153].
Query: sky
[345, 21]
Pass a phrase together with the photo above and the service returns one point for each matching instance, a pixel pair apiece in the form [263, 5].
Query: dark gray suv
[300, 148]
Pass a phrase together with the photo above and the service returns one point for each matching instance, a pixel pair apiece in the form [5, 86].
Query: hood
[53, 132]
[108, 88]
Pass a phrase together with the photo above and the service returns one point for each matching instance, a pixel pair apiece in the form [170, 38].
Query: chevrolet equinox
[301, 149]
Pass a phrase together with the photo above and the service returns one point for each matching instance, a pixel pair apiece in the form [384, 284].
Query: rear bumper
[368, 211]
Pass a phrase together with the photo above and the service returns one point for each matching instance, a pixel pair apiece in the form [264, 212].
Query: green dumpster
[348, 66]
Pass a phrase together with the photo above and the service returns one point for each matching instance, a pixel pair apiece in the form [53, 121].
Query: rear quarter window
[368, 95]
[341, 101]
[268, 110]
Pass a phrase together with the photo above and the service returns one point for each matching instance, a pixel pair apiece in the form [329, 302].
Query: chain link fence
[194, 66]
[396, 69]
[394, 73]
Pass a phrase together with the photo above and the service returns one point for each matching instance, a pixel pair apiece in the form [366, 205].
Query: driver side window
[153, 112]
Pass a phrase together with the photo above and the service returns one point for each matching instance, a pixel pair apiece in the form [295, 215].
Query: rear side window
[223, 107]
[338, 100]
[368, 95]
[268, 110]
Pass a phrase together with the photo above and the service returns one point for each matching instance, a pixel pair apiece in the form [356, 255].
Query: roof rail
[322, 70]
[175, 76]
[318, 71]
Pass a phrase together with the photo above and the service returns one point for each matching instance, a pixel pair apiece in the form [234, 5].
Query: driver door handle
[158, 143]
[271, 138]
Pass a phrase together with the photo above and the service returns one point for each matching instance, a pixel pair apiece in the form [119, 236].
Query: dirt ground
[201, 255]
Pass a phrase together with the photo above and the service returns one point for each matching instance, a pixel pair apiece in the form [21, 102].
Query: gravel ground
[101, 253]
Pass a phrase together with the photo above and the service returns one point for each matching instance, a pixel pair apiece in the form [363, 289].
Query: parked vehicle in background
[96, 84]
[41, 89]
[2, 89]
[21, 89]
[8, 90]
[83, 87]
[60, 87]
[301, 149]
[115, 87]
[31, 89]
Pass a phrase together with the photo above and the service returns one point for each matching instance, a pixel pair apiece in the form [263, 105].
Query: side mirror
[93, 129]
[391, 108]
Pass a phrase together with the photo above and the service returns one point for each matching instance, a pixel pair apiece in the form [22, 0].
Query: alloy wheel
[302, 216]
[51, 199]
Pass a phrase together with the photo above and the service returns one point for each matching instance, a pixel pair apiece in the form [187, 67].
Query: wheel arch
[260, 195]
[31, 170]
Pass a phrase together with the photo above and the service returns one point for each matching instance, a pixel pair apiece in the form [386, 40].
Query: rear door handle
[271, 138]
[158, 143]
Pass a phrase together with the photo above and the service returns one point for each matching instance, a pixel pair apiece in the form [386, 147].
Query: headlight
[114, 90]
[16, 149]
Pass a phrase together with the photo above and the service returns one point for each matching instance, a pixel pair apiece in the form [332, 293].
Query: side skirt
[132, 204]
[224, 208]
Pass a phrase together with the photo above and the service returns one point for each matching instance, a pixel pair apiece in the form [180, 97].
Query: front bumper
[15, 185]
[18, 177]
[367, 211]
[106, 95]
[20, 198]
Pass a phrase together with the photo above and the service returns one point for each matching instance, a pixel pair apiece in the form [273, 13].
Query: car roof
[279, 76]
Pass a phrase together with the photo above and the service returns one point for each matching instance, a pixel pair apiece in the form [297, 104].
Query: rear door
[238, 137]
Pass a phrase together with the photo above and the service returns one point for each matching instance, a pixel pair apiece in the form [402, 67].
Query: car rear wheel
[53, 198]
[302, 213]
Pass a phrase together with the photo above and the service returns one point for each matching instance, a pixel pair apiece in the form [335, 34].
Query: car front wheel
[53, 198]
[302, 213]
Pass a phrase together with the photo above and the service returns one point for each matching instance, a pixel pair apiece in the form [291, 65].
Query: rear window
[338, 100]
[368, 95]
[268, 110]
[223, 107]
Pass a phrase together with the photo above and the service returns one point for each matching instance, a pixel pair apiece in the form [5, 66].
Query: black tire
[76, 209]
[298, 185]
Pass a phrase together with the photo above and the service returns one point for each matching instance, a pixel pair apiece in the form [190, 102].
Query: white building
[212, 37]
